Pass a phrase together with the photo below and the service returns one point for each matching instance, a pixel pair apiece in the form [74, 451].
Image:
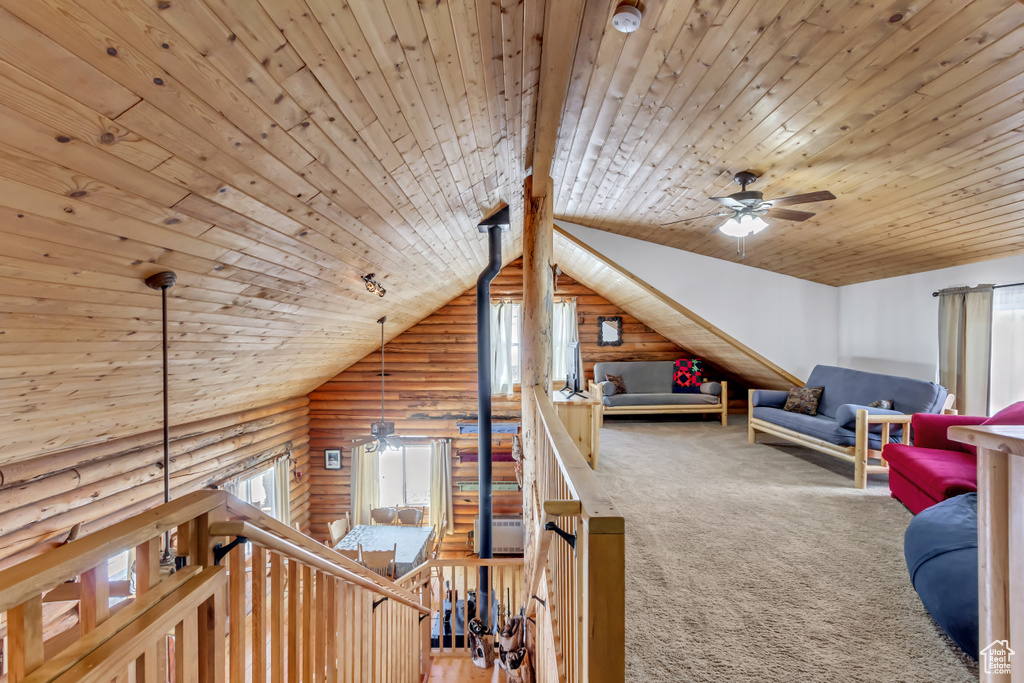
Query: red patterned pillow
[687, 376]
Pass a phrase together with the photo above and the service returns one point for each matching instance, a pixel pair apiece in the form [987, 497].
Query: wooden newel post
[538, 235]
[1000, 547]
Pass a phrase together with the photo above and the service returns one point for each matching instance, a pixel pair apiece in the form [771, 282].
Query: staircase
[251, 600]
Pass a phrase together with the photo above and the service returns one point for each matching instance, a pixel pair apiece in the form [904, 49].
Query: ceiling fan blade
[411, 438]
[694, 218]
[788, 214]
[729, 202]
[822, 196]
[358, 441]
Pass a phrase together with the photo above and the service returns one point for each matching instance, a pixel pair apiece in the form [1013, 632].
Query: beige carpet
[762, 563]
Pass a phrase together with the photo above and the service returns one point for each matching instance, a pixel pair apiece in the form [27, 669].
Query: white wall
[892, 325]
[889, 326]
[791, 322]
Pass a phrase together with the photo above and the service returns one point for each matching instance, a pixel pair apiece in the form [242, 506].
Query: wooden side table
[581, 416]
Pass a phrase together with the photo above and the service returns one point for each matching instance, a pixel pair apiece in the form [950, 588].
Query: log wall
[431, 385]
[99, 485]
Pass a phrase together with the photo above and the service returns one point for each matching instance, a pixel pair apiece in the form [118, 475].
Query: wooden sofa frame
[859, 453]
[722, 407]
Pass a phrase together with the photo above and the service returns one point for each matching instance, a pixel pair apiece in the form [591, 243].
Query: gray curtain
[965, 346]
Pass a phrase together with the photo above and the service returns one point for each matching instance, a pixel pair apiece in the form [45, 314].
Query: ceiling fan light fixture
[743, 226]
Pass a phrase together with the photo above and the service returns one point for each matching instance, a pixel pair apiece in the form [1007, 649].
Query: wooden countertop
[1005, 438]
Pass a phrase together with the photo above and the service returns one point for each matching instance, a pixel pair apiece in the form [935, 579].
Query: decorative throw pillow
[883, 403]
[687, 376]
[804, 400]
[616, 380]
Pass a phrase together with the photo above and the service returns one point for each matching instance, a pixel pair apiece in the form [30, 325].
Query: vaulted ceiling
[911, 112]
[272, 152]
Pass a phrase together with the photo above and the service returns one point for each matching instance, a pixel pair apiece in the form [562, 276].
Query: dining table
[411, 543]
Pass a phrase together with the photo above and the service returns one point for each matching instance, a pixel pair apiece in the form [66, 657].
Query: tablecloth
[411, 541]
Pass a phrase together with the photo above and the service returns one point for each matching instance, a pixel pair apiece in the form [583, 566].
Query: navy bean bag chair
[941, 549]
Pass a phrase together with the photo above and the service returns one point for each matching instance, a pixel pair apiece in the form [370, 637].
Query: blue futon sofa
[845, 426]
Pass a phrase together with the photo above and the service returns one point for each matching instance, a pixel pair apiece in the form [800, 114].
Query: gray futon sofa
[649, 391]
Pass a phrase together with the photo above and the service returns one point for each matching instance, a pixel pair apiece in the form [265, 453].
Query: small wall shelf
[495, 486]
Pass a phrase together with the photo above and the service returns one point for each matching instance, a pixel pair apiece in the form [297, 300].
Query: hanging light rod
[164, 281]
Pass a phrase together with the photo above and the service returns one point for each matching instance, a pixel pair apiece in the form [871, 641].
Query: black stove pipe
[493, 227]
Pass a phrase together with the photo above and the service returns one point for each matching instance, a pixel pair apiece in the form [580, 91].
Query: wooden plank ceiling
[270, 153]
[666, 316]
[910, 112]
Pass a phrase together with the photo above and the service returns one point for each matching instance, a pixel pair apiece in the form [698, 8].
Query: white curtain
[283, 488]
[564, 329]
[441, 503]
[502, 338]
[365, 484]
[1007, 374]
[965, 344]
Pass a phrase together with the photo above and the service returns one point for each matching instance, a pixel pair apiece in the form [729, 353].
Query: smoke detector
[626, 18]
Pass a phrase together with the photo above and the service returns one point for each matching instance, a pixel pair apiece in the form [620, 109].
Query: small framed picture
[332, 459]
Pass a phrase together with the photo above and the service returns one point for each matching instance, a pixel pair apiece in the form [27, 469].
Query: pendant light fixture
[164, 281]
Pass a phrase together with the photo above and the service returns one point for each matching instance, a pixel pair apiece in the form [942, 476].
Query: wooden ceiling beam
[561, 29]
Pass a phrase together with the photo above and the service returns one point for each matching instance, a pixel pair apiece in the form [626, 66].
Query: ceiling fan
[743, 210]
[382, 434]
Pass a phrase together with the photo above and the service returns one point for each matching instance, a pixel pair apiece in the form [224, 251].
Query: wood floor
[462, 669]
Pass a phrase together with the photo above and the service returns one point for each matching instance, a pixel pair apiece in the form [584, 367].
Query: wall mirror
[609, 330]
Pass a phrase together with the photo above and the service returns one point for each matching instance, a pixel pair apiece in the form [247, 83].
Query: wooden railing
[444, 585]
[1000, 547]
[289, 609]
[580, 588]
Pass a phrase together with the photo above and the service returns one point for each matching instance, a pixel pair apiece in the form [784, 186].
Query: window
[506, 337]
[258, 491]
[117, 567]
[564, 330]
[1007, 374]
[405, 476]
[118, 570]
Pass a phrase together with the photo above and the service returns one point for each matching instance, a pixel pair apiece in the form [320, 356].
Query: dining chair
[384, 516]
[380, 562]
[436, 551]
[350, 554]
[410, 516]
[338, 528]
